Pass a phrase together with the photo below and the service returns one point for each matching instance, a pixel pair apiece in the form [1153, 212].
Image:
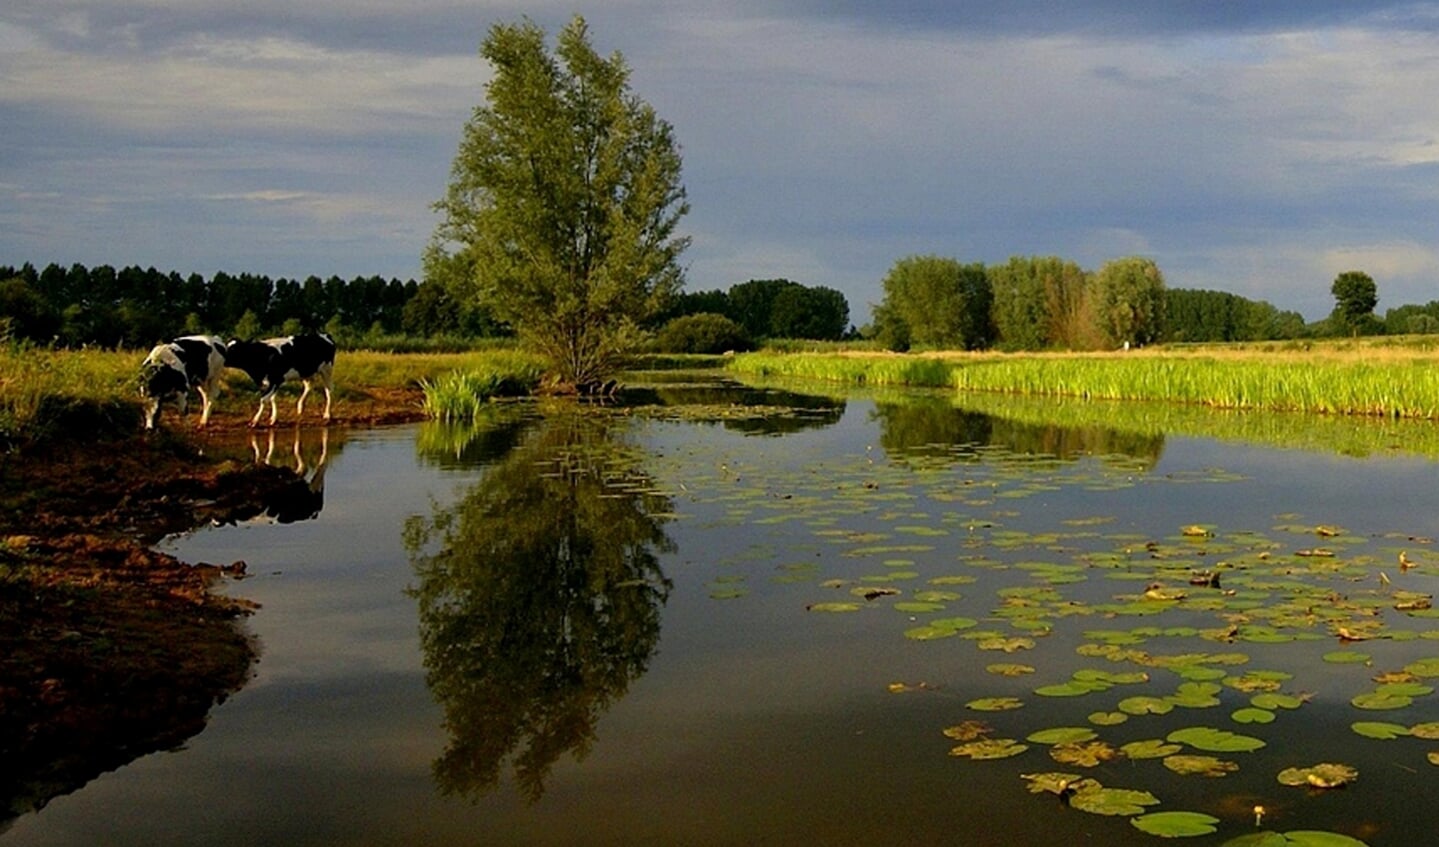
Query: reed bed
[1403, 385]
[465, 393]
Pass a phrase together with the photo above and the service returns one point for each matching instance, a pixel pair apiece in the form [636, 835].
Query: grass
[1397, 380]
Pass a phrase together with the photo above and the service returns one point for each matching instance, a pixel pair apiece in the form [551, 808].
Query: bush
[705, 332]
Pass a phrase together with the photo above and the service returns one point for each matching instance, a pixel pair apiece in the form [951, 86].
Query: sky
[1252, 147]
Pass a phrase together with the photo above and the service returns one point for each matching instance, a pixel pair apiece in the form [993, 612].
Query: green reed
[1358, 385]
[464, 393]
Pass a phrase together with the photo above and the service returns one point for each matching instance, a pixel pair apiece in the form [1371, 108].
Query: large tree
[1126, 298]
[563, 202]
[938, 301]
[1355, 296]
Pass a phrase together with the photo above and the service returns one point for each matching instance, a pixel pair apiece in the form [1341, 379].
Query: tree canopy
[936, 301]
[563, 202]
[1355, 296]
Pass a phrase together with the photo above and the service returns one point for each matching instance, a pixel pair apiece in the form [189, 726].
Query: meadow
[42, 391]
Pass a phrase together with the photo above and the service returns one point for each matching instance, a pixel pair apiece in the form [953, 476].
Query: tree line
[1045, 302]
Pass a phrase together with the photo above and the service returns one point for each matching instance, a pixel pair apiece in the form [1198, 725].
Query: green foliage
[563, 202]
[1037, 302]
[1355, 296]
[941, 302]
[803, 312]
[702, 333]
[1126, 299]
[1193, 315]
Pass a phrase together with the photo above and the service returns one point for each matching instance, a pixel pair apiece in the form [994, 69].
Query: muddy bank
[108, 649]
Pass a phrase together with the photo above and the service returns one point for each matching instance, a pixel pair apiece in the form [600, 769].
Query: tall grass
[40, 387]
[1404, 383]
[464, 393]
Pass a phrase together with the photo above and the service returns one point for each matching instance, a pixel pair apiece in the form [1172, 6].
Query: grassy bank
[1399, 381]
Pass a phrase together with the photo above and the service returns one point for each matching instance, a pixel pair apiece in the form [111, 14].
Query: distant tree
[563, 202]
[1035, 300]
[751, 304]
[1412, 319]
[889, 329]
[941, 302]
[1126, 300]
[809, 312]
[27, 313]
[702, 333]
[1355, 296]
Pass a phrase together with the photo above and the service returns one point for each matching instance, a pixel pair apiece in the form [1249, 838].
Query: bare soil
[108, 649]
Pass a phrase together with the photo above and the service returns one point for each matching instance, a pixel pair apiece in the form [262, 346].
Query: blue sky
[1258, 148]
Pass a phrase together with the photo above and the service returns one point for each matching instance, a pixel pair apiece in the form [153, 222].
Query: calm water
[577, 630]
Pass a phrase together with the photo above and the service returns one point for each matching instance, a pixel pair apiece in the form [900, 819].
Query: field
[43, 391]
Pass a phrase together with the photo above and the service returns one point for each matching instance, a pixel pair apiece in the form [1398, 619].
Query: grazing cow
[171, 370]
[308, 358]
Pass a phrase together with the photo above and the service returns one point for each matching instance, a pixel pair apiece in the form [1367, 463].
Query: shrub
[705, 332]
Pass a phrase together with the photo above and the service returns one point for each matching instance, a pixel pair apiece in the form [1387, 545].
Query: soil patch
[108, 649]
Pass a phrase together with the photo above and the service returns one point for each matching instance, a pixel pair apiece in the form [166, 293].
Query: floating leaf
[1085, 755]
[1199, 765]
[1009, 669]
[1098, 800]
[1258, 839]
[1325, 775]
[1380, 701]
[968, 730]
[1053, 783]
[914, 607]
[1379, 729]
[1063, 735]
[1319, 838]
[929, 632]
[989, 748]
[1151, 749]
[1175, 824]
[1272, 701]
[1008, 645]
[1145, 706]
[994, 704]
[1107, 718]
[1426, 731]
[833, 607]
[1253, 716]
[1073, 688]
[1215, 740]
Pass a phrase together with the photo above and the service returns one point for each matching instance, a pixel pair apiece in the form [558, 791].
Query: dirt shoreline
[108, 649]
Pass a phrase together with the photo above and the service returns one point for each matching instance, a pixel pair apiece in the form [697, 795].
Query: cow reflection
[301, 498]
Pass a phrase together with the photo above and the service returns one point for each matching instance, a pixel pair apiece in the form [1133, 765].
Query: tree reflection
[539, 601]
[936, 426]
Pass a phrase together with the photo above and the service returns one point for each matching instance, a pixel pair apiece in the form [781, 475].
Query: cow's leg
[204, 405]
[300, 404]
[255, 421]
[152, 411]
[327, 404]
[274, 410]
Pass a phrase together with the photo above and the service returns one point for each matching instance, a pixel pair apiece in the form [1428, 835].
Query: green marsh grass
[464, 393]
[1400, 382]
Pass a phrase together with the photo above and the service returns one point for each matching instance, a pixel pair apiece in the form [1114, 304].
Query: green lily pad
[1379, 729]
[1111, 801]
[1107, 718]
[1051, 782]
[1062, 735]
[1347, 657]
[915, 607]
[929, 632]
[1427, 731]
[1073, 688]
[1153, 748]
[1379, 701]
[1320, 838]
[1215, 740]
[994, 704]
[1252, 715]
[1009, 669]
[1084, 754]
[1272, 701]
[834, 607]
[1145, 706]
[1175, 824]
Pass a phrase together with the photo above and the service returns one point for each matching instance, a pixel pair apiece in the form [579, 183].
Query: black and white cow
[171, 370]
[309, 358]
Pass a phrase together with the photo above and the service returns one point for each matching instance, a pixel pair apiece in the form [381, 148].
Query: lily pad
[1175, 824]
[834, 607]
[1145, 706]
[1215, 740]
[1085, 755]
[1252, 715]
[1380, 730]
[1199, 765]
[1347, 657]
[1009, 669]
[1380, 701]
[1112, 801]
[1327, 775]
[1062, 735]
[968, 730]
[1108, 718]
[994, 704]
[989, 748]
[1153, 748]
[1051, 782]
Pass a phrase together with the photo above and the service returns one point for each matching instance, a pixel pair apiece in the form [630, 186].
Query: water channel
[742, 625]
